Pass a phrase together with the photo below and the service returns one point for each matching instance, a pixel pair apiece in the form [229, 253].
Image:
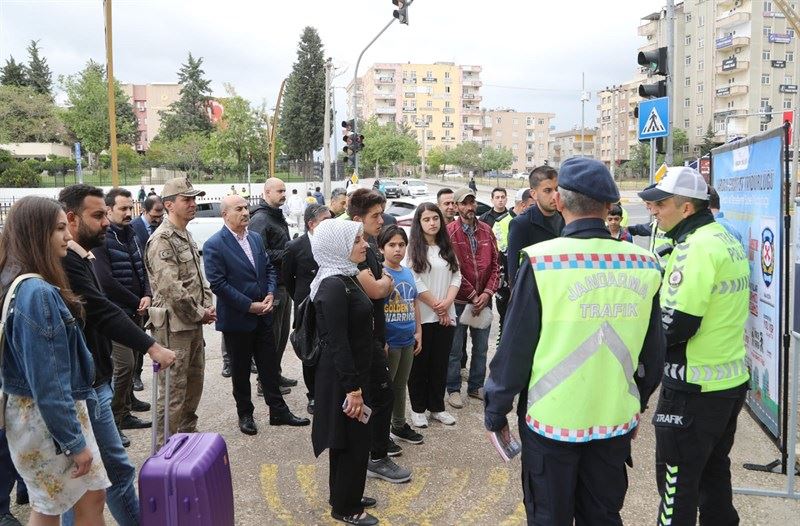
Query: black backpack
[304, 333]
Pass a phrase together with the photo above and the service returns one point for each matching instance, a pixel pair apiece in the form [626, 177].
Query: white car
[413, 187]
[403, 209]
[203, 228]
[453, 175]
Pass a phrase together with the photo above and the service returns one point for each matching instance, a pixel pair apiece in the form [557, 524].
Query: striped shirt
[245, 244]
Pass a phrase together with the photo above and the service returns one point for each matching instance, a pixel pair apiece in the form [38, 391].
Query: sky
[532, 52]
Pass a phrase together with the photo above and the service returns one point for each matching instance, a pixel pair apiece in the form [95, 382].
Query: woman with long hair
[435, 268]
[47, 370]
[344, 326]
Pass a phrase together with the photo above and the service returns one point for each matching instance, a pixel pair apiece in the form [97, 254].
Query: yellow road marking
[269, 487]
[518, 517]
[307, 478]
[400, 501]
[495, 487]
[456, 480]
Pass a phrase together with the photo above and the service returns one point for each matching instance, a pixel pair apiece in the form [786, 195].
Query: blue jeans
[477, 365]
[8, 476]
[121, 496]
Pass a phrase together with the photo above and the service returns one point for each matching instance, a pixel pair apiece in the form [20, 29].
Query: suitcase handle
[175, 446]
[154, 430]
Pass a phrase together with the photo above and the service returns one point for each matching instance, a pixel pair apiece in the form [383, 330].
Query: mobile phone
[366, 412]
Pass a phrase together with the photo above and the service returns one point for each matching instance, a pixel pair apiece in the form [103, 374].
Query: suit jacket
[299, 268]
[235, 281]
[141, 231]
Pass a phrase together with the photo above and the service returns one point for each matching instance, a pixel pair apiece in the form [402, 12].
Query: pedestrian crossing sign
[654, 118]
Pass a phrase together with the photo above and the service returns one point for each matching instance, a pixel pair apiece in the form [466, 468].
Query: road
[457, 476]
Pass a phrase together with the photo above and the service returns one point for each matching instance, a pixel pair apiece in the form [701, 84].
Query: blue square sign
[654, 118]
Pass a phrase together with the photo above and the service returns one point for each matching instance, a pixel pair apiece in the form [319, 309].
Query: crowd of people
[398, 314]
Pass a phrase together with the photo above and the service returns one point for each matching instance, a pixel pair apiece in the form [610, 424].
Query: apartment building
[440, 101]
[147, 100]
[617, 132]
[526, 134]
[733, 59]
[576, 142]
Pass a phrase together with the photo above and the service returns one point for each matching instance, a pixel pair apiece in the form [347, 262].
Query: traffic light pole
[670, 84]
[653, 160]
[326, 133]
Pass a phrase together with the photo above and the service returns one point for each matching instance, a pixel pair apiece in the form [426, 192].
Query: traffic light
[401, 13]
[767, 118]
[655, 62]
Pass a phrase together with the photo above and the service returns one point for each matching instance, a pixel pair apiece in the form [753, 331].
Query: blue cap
[588, 177]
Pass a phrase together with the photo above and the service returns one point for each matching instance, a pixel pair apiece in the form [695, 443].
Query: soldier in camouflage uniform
[182, 303]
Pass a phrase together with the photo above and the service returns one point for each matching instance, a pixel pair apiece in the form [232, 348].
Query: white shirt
[245, 244]
[295, 204]
[437, 280]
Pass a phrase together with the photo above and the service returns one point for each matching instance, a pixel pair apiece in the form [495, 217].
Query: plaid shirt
[470, 231]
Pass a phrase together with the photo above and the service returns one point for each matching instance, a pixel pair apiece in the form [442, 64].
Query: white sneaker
[419, 419]
[464, 374]
[444, 417]
[455, 400]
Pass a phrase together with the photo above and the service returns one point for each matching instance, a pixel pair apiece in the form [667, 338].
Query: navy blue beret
[588, 177]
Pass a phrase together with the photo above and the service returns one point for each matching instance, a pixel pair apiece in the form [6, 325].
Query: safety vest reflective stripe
[580, 435]
[730, 286]
[569, 365]
[705, 373]
[594, 261]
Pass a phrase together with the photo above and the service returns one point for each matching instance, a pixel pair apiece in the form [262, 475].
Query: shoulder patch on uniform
[675, 278]
[165, 254]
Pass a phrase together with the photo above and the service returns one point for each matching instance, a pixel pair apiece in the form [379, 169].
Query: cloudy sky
[532, 51]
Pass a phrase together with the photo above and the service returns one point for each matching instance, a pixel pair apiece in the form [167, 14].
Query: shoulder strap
[9, 298]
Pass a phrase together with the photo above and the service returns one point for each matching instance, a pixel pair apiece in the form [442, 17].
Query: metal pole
[249, 189]
[614, 92]
[653, 159]
[583, 111]
[668, 158]
[274, 130]
[326, 133]
[112, 107]
[424, 133]
[355, 82]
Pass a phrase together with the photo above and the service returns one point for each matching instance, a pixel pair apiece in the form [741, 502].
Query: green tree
[436, 159]
[38, 72]
[679, 143]
[28, 116]
[87, 112]
[188, 114]
[13, 73]
[708, 141]
[20, 175]
[466, 156]
[500, 158]
[238, 133]
[303, 109]
[387, 145]
[638, 165]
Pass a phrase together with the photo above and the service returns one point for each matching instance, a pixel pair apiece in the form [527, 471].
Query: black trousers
[281, 321]
[8, 477]
[257, 345]
[562, 481]
[380, 398]
[694, 435]
[309, 372]
[348, 470]
[428, 378]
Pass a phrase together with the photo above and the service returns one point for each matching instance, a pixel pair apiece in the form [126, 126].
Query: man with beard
[539, 222]
[87, 223]
[146, 224]
[267, 220]
[444, 199]
[119, 266]
[182, 304]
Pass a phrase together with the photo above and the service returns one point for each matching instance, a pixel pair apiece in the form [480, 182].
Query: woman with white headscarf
[344, 326]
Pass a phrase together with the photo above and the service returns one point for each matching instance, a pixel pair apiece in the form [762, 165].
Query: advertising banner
[748, 176]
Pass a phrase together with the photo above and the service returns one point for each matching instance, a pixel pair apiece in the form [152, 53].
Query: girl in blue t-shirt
[403, 330]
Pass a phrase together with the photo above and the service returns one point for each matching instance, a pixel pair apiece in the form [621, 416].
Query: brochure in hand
[508, 447]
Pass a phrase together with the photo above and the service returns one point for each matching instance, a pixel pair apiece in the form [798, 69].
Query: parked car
[387, 188]
[203, 227]
[413, 187]
[403, 209]
[453, 175]
[208, 209]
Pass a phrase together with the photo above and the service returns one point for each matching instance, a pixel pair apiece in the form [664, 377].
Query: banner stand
[788, 463]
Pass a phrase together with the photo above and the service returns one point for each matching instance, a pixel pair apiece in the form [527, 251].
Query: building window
[765, 55]
[686, 123]
[687, 102]
[766, 31]
[429, 104]
[447, 89]
[787, 104]
[699, 131]
[790, 56]
[765, 79]
[701, 64]
[529, 121]
[699, 109]
[787, 79]
[447, 104]
[688, 17]
[514, 121]
[541, 122]
[687, 82]
[688, 60]
[701, 42]
[447, 74]
[701, 21]
[699, 87]
[499, 120]
[767, 7]
[687, 40]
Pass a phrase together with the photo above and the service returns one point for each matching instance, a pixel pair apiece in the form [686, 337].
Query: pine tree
[303, 112]
[708, 141]
[189, 113]
[13, 73]
[39, 76]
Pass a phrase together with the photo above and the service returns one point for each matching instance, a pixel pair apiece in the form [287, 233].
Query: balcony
[732, 65]
[409, 80]
[385, 110]
[732, 18]
[448, 139]
[732, 90]
[384, 80]
[471, 69]
[429, 79]
[649, 28]
[448, 110]
[409, 94]
[471, 82]
[411, 109]
[729, 41]
[471, 96]
[447, 125]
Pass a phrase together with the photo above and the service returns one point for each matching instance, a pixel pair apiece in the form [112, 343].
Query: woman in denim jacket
[47, 371]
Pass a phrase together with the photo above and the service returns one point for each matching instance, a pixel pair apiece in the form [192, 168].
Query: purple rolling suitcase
[188, 481]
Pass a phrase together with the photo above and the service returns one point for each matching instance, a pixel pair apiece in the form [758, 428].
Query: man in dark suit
[298, 270]
[151, 217]
[241, 275]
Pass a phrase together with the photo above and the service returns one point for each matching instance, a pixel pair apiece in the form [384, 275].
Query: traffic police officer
[705, 304]
[182, 303]
[585, 355]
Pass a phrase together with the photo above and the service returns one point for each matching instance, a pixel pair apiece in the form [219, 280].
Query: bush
[21, 175]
